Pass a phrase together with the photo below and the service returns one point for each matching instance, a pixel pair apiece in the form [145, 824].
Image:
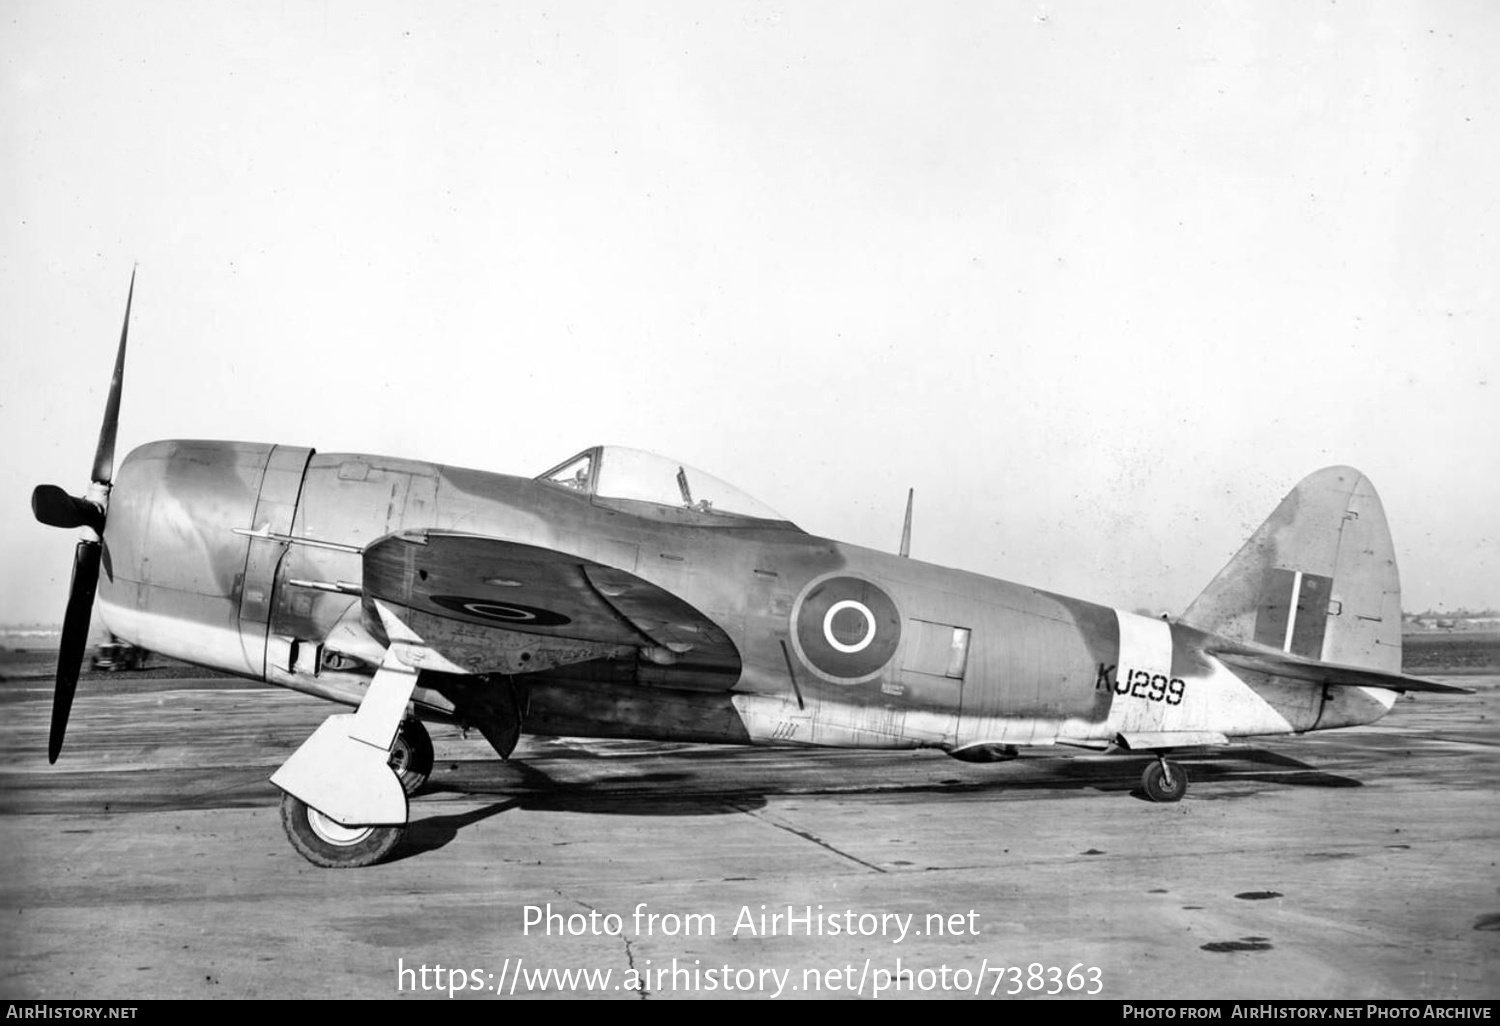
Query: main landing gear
[325, 843]
[1164, 781]
[411, 755]
[345, 790]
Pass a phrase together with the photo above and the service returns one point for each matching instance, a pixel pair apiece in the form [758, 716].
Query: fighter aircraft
[621, 594]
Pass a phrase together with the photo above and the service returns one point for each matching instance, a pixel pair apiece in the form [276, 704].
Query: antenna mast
[906, 527]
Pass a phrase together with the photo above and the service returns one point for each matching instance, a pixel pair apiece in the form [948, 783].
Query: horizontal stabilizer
[1284, 664]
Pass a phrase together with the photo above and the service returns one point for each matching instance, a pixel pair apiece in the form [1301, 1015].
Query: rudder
[1318, 579]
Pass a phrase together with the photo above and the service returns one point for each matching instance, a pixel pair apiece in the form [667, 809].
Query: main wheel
[1164, 781]
[411, 755]
[325, 843]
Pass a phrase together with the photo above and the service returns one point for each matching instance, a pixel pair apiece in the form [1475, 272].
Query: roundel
[502, 612]
[846, 629]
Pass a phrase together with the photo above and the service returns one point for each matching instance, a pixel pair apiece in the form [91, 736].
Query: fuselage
[248, 558]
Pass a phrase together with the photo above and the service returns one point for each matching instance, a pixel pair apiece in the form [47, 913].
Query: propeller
[56, 508]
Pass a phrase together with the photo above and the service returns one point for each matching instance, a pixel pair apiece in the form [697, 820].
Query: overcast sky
[1102, 282]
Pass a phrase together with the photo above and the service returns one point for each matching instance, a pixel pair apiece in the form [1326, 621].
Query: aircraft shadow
[434, 832]
[679, 784]
[547, 795]
[676, 784]
[628, 792]
[1267, 767]
[1123, 773]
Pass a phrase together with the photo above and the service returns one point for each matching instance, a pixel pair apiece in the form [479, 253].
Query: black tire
[411, 755]
[324, 843]
[1158, 789]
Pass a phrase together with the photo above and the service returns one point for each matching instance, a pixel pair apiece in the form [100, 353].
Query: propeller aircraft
[620, 594]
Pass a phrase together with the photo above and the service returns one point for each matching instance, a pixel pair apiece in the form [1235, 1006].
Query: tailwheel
[1164, 781]
[411, 755]
[325, 843]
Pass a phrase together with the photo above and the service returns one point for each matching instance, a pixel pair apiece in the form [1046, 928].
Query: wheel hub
[336, 833]
[400, 755]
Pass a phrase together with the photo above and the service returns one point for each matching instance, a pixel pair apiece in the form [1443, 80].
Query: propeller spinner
[56, 508]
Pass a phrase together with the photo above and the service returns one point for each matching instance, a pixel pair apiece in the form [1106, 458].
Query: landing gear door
[274, 510]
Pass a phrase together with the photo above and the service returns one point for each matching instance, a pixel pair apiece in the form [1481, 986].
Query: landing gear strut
[344, 806]
[1164, 781]
[411, 755]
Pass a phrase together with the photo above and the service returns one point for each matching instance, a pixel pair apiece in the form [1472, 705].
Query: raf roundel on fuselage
[845, 628]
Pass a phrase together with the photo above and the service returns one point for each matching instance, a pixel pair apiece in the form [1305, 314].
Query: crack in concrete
[640, 978]
[640, 986]
[806, 836]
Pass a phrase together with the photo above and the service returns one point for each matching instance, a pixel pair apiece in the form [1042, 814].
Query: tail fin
[1317, 580]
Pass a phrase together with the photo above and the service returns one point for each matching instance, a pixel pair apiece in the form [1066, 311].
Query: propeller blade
[75, 636]
[104, 456]
[56, 508]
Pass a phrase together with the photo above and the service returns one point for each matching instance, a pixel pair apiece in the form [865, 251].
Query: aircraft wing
[1284, 664]
[494, 606]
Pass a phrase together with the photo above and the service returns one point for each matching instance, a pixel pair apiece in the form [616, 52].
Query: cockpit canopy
[644, 483]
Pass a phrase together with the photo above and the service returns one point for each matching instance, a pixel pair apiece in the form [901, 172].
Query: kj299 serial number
[1153, 687]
